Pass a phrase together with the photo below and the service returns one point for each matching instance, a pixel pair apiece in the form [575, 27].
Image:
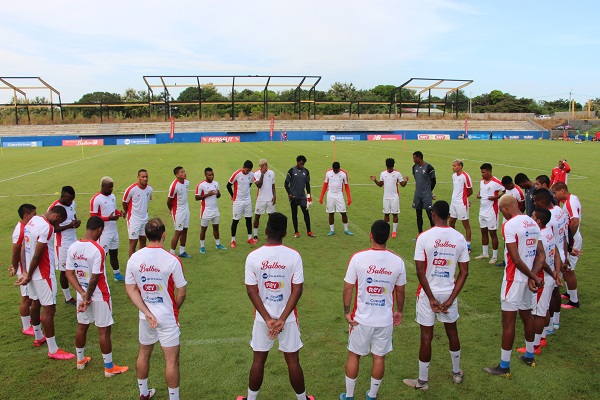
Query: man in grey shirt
[424, 183]
[524, 183]
[296, 181]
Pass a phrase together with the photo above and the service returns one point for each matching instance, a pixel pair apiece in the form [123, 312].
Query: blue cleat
[343, 397]
[369, 397]
[347, 232]
[221, 247]
[184, 255]
[202, 250]
[331, 233]
[119, 277]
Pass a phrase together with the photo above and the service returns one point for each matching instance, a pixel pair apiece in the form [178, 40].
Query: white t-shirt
[491, 188]
[559, 221]
[209, 204]
[548, 238]
[335, 183]
[86, 259]
[39, 230]
[157, 273]
[517, 193]
[390, 184]
[241, 185]
[274, 269]
[460, 185]
[265, 192]
[103, 206]
[442, 248]
[137, 200]
[573, 208]
[17, 238]
[68, 236]
[179, 193]
[523, 231]
[375, 273]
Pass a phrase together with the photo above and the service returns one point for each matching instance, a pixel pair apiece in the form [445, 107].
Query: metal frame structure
[22, 90]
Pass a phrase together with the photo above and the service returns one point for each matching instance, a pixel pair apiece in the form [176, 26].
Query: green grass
[216, 318]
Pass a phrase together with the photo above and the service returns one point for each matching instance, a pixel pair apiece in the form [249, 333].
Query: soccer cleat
[331, 233]
[119, 277]
[530, 362]
[252, 241]
[71, 302]
[500, 264]
[184, 255]
[83, 363]
[241, 398]
[536, 350]
[28, 331]
[310, 234]
[202, 250]
[115, 370]
[565, 295]
[150, 394]
[38, 343]
[493, 261]
[457, 377]
[482, 257]
[498, 371]
[549, 331]
[416, 383]
[233, 244]
[347, 232]
[343, 397]
[61, 355]
[556, 326]
[393, 234]
[543, 342]
[297, 235]
[221, 247]
[569, 305]
[310, 397]
[369, 397]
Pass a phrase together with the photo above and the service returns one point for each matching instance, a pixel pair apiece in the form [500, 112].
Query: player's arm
[400, 296]
[431, 173]
[404, 181]
[420, 266]
[347, 299]
[70, 274]
[274, 194]
[202, 195]
[169, 203]
[136, 298]
[180, 296]
[323, 190]
[566, 167]
[521, 205]
[15, 258]
[252, 291]
[230, 189]
[291, 303]
[347, 186]
[91, 287]
[463, 273]
[573, 226]
[259, 182]
[34, 263]
[125, 206]
[73, 224]
[513, 251]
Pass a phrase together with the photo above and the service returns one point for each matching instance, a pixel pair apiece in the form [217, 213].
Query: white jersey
[491, 188]
[39, 230]
[460, 185]
[157, 273]
[523, 231]
[88, 258]
[559, 222]
[103, 207]
[178, 191]
[68, 236]
[573, 208]
[517, 193]
[442, 248]
[137, 200]
[390, 184]
[274, 268]
[18, 237]
[241, 185]
[335, 183]
[548, 238]
[375, 273]
[265, 192]
[209, 204]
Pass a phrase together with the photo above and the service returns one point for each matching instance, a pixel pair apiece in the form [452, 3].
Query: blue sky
[538, 49]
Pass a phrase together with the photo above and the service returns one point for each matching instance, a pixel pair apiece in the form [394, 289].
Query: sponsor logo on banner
[384, 137]
[83, 142]
[23, 144]
[431, 136]
[133, 141]
[337, 138]
[220, 139]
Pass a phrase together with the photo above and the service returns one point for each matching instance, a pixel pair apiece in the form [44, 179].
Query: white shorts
[60, 262]
[335, 204]
[459, 212]
[391, 206]
[262, 206]
[136, 228]
[515, 296]
[43, 290]
[489, 221]
[208, 220]
[289, 338]
[99, 312]
[542, 299]
[181, 219]
[109, 240]
[167, 334]
[426, 316]
[23, 288]
[242, 209]
[364, 339]
[577, 246]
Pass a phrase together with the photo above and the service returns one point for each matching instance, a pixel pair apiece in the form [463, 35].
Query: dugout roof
[20, 85]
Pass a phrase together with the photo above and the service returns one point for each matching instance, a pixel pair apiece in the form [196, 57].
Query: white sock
[485, 250]
[529, 347]
[574, 298]
[217, 241]
[174, 393]
[80, 353]
[116, 271]
[395, 226]
[52, 346]
[495, 253]
[375, 383]
[505, 355]
[301, 396]
[556, 318]
[143, 385]
[172, 251]
[233, 238]
[67, 294]
[423, 371]
[108, 362]
[249, 236]
[252, 395]
[37, 332]
[181, 249]
[202, 243]
[332, 227]
[538, 339]
[350, 383]
[468, 244]
[26, 321]
[255, 230]
[346, 226]
[546, 329]
[455, 356]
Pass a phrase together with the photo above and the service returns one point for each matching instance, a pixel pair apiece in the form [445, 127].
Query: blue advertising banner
[37, 143]
[339, 137]
[131, 141]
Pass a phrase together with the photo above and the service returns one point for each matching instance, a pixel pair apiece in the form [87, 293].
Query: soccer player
[543, 182]
[264, 179]
[379, 277]
[525, 256]
[135, 206]
[424, 175]
[389, 179]
[438, 252]
[40, 279]
[239, 189]
[86, 273]
[296, 181]
[274, 279]
[462, 188]
[524, 183]
[104, 205]
[490, 190]
[560, 173]
[208, 192]
[514, 190]
[572, 206]
[177, 202]
[17, 267]
[153, 274]
[336, 179]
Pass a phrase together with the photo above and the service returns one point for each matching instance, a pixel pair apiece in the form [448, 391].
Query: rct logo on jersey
[440, 262]
[530, 242]
[274, 285]
[376, 290]
[82, 274]
[151, 287]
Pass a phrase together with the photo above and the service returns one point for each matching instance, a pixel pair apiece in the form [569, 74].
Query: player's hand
[320, 201]
[277, 328]
[478, 195]
[566, 266]
[397, 318]
[349, 201]
[82, 306]
[406, 179]
[373, 178]
[576, 253]
[291, 196]
[274, 199]
[350, 321]
[264, 168]
[76, 223]
[434, 197]
[12, 270]
[445, 306]
[435, 306]
[151, 319]
[557, 279]
[24, 280]
[113, 217]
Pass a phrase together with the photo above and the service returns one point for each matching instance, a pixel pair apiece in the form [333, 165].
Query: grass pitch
[216, 318]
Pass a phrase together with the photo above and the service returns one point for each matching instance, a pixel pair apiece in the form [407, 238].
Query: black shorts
[422, 203]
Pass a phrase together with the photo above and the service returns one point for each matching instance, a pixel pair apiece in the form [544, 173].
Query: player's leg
[452, 222]
[555, 307]
[331, 217]
[377, 372]
[142, 241]
[571, 281]
[294, 207]
[529, 328]
[24, 312]
[35, 316]
[508, 331]
[61, 262]
[306, 218]
[494, 236]
[183, 239]
[352, 365]
[454, 346]
[257, 372]
[132, 246]
[485, 240]
[64, 285]
[295, 372]
[142, 369]
[172, 370]
[467, 226]
[256, 225]
[80, 340]
[419, 212]
[175, 240]
[249, 229]
[427, 204]
[425, 352]
[345, 223]
[113, 254]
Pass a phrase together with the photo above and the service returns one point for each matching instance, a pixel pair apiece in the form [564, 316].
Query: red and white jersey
[442, 248]
[559, 222]
[137, 200]
[209, 204]
[335, 182]
[491, 188]
[18, 237]
[517, 193]
[178, 191]
[87, 258]
[523, 231]
[560, 175]
[39, 230]
[375, 273]
[241, 185]
[548, 238]
[573, 208]
[390, 184]
[460, 188]
[103, 207]
[68, 236]
[157, 273]
[274, 268]
[265, 192]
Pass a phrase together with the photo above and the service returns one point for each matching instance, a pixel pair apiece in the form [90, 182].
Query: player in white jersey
[135, 206]
[336, 180]
[516, 192]
[490, 190]
[274, 279]
[153, 274]
[177, 202]
[104, 205]
[462, 188]
[86, 273]
[379, 277]
[17, 267]
[438, 252]
[525, 257]
[64, 236]
[389, 179]
[239, 189]
[40, 279]
[264, 179]
[208, 192]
